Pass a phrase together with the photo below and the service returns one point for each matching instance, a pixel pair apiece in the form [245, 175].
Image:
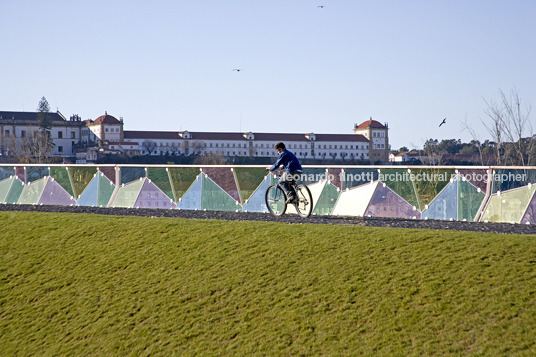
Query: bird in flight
[443, 122]
[237, 69]
[321, 6]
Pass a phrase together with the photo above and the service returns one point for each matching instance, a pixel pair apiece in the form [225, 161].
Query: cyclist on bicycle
[293, 170]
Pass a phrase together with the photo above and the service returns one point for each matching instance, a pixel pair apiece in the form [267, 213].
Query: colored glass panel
[225, 179]
[153, 197]
[14, 192]
[312, 175]
[182, 178]
[399, 180]
[5, 186]
[6, 172]
[108, 172]
[335, 177]
[469, 199]
[354, 202]
[509, 206]
[429, 182]
[128, 194]
[32, 192]
[256, 202]
[248, 180]
[507, 179]
[105, 190]
[20, 172]
[216, 199]
[386, 203]
[89, 196]
[477, 177]
[130, 174]
[34, 173]
[81, 176]
[54, 194]
[192, 198]
[357, 177]
[445, 205]
[160, 177]
[327, 199]
[61, 175]
[530, 214]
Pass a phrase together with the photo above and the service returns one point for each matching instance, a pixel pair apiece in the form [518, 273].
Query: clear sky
[168, 65]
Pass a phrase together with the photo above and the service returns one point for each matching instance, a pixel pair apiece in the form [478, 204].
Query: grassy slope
[97, 284]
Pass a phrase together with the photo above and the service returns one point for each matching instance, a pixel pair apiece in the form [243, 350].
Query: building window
[60, 134]
[23, 133]
[60, 148]
[73, 135]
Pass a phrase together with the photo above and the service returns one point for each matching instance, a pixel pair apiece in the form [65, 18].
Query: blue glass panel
[89, 195]
[445, 205]
[192, 197]
[504, 180]
[6, 172]
[256, 202]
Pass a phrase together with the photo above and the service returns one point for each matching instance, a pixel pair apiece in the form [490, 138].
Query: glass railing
[477, 193]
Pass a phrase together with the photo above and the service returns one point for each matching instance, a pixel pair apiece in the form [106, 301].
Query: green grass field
[94, 285]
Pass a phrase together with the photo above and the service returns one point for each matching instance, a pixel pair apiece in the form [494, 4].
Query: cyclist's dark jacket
[288, 160]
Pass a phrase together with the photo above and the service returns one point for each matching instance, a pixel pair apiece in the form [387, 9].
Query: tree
[510, 127]
[43, 116]
[149, 145]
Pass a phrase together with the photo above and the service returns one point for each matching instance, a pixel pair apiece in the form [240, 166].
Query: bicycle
[276, 200]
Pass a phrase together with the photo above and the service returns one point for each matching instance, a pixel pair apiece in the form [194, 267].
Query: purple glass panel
[335, 176]
[224, 177]
[152, 197]
[476, 177]
[386, 203]
[20, 173]
[109, 172]
[530, 214]
[54, 194]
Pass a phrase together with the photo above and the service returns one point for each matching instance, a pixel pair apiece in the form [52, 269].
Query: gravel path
[505, 228]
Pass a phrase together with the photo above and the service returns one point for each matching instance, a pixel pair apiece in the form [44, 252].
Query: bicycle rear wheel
[304, 204]
[276, 200]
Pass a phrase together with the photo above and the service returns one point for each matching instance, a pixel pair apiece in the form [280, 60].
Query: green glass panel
[399, 180]
[507, 179]
[81, 177]
[160, 177]
[327, 200]
[181, 179]
[31, 193]
[5, 186]
[130, 174]
[6, 172]
[429, 182]
[34, 173]
[469, 200]
[105, 191]
[357, 177]
[15, 191]
[248, 179]
[509, 206]
[128, 194]
[61, 176]
[215, 199]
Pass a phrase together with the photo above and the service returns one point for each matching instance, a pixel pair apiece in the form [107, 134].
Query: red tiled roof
[106, 119]
[199, 135]
[370, 123]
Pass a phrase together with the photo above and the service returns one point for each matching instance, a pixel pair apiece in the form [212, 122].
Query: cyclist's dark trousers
[287, 181]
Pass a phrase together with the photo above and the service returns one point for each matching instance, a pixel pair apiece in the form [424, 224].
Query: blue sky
[168, 65]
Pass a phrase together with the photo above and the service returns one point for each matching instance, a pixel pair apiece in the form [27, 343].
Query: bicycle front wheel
[304, 204]
[276, 200]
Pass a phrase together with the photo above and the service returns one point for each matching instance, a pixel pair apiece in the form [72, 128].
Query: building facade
[378, 135]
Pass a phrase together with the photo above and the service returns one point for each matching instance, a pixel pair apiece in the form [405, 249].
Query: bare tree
[149, 145]
[466, 126]
[509, 126]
